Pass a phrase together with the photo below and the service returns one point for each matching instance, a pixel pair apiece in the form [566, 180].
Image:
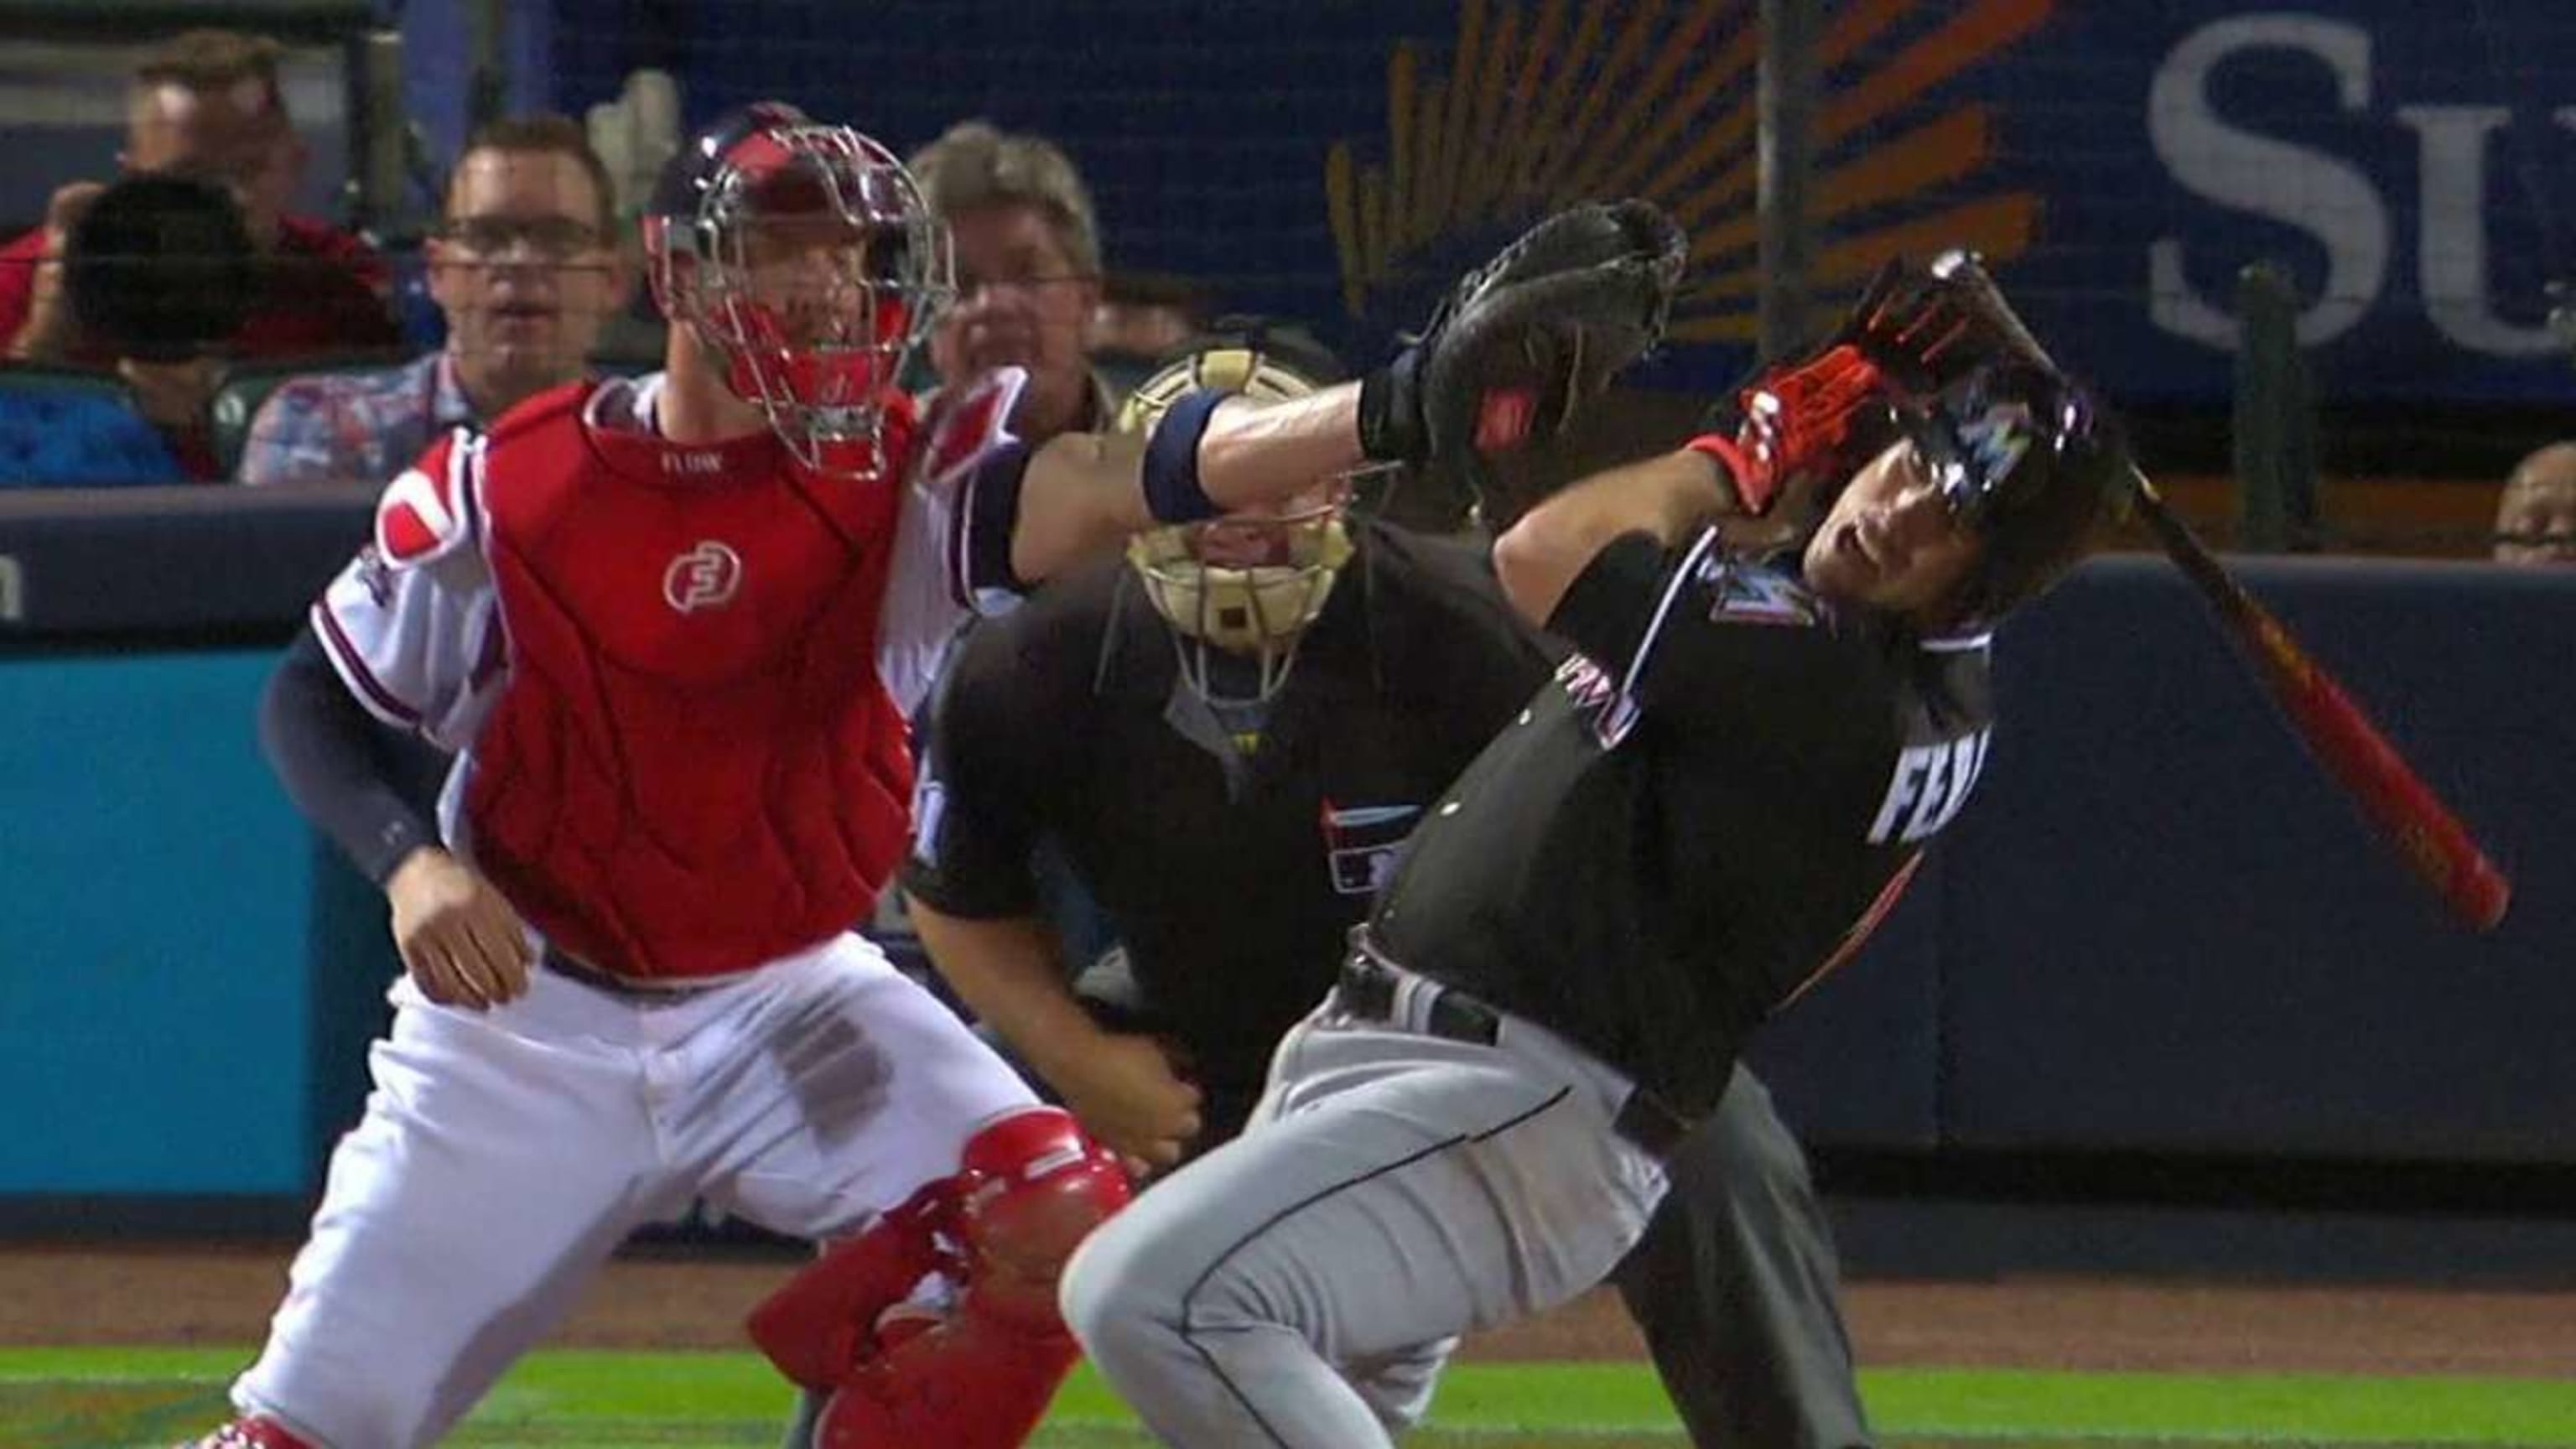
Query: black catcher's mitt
[1523, 341]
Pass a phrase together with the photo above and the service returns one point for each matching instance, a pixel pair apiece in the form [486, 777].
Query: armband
[1170, 478]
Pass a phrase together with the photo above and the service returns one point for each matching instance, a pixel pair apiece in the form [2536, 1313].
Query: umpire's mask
[1249, 583]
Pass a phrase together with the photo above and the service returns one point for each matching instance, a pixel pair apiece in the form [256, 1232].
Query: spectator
[526, 269]
[2536, 518]
[1028, 272]
[207, 104]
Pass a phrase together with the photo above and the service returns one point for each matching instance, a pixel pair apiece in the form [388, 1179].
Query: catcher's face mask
[814, 268]
[1249, 583]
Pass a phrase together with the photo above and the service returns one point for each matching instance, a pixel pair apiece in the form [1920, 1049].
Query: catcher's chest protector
[693, 767]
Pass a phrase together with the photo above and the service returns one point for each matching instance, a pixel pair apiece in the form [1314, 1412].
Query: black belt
[572, 968]
[1367, 989]
[1650, 1122]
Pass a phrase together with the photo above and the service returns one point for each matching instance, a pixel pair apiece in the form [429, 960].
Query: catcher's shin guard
[1029, 1188]
[823, 1322]
[254, 1432]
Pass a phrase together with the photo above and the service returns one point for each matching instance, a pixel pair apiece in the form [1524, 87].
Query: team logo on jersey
[1363, 843]
[1930, 784]
[1739, 594]
[706, 577]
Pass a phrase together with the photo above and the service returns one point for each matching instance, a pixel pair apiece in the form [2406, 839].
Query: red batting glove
[1796, 420]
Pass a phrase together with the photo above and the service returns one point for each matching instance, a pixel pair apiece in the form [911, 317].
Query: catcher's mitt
[1522, 341]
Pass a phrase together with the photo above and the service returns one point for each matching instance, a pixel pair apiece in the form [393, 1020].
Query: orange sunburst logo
[1579, 105]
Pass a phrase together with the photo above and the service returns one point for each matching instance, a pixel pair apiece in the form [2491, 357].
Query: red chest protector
[693, 768]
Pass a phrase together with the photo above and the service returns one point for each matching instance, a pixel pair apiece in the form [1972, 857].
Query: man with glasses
[207, 105]
[526, 271]
[1028, 273]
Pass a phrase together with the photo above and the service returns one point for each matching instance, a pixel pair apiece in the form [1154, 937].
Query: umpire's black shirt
[1232, 877]
[1705, 810]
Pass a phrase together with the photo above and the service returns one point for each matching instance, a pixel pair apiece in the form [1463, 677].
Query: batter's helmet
[2029, 459]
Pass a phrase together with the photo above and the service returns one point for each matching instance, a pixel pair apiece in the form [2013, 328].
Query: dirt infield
[190, 1296]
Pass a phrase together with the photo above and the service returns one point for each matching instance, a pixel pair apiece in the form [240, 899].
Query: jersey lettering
[1608, 713]
[1931, 782]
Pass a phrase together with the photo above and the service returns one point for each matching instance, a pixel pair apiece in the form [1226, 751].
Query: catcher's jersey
[1702, 813]
[675, 677]
[1233, 880]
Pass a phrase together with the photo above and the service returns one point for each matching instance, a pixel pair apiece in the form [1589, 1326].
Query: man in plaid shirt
[526, 268]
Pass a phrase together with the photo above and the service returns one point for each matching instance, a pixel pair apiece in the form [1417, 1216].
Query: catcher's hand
[1521, 342]
[458, 937]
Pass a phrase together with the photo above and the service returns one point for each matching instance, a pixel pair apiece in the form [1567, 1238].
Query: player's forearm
[365, 790]
[1085, 495]
[1010, 974]
[1260, 453]
[1669, 497]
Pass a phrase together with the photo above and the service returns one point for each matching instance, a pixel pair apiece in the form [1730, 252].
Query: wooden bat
[2427, 834]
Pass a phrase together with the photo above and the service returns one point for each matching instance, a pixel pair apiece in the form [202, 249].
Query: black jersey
[1232, 875]
[1703, 812]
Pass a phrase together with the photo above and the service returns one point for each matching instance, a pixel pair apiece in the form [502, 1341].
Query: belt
[625, 988]
[1367, 989]
[1651, 1123]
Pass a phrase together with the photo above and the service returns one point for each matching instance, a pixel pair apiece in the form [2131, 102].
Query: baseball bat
[2427, 834]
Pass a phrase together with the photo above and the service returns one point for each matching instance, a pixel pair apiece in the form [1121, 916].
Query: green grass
[95, 1398]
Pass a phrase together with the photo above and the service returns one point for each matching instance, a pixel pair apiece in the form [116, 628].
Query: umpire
[1231, 737]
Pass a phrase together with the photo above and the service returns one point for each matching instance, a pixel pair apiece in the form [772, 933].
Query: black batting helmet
[2030, 460]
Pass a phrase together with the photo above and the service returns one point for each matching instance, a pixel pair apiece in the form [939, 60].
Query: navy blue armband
[1171, 470]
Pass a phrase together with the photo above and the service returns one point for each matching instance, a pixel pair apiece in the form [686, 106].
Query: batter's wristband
[1171, 470]
[1755, 497]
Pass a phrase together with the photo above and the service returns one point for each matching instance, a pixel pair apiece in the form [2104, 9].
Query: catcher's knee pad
[1031, 1188]
[257, 1431]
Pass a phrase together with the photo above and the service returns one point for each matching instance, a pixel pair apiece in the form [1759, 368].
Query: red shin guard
[970, 1382]
[1029, 1187]
[821, 1324]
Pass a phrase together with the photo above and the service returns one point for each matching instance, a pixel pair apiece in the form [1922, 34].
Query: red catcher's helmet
[804, 255]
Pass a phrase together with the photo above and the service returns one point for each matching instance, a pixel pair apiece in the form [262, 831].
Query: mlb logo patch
[1363, 843]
